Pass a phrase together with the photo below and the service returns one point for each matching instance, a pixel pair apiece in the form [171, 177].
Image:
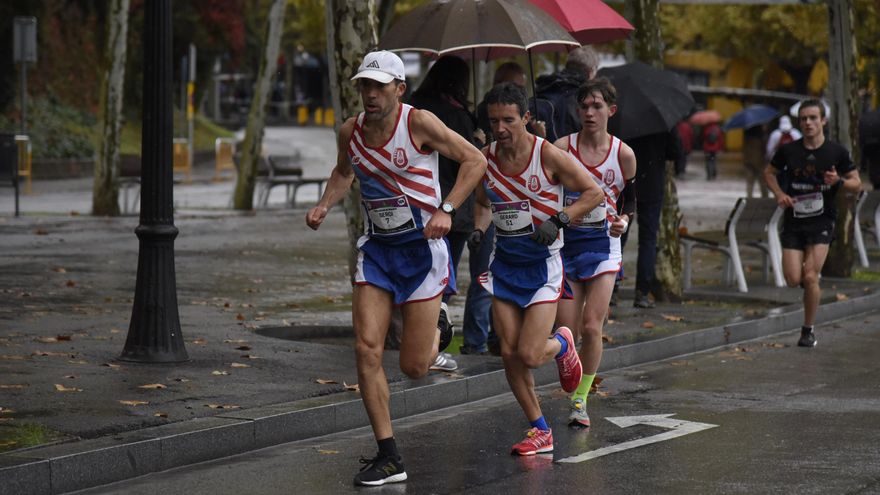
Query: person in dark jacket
[560, 90]
[443, 92]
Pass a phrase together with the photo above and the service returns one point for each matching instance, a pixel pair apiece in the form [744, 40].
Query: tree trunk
[843, 88]
[647, 47]
[253, 137]
[105, 191]
[351, 33]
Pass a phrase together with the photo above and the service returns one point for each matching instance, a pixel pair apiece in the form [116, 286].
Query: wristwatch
[563, 218]
[447, 208]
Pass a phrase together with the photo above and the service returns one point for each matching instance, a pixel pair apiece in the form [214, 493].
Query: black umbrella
[649, 100]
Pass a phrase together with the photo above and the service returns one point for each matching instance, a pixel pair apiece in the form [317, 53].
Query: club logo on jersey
[355, 160]
[609, 177]
[399, 158]
[534, 184]
[444, 282]
[401, 202]
[490, 184]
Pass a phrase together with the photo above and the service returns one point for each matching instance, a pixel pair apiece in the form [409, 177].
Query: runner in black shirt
[812, 171]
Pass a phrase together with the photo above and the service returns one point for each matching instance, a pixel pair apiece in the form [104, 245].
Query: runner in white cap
[403, 259]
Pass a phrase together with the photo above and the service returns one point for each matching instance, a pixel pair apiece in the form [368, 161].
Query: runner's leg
[792, 266]
[814, 258]
[418, 346]
[597, 294]
[371, 308]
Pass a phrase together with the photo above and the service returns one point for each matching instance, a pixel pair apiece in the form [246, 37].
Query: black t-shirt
[802, 171]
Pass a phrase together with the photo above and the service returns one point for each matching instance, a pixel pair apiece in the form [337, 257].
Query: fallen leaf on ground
[133, 402]
[227, 305]
[648, 324]
[153, 386]
[324, 381]
[841, 296]
[678, 363]
[243, 348]
[115, 330]
[240, 365]
[250, 356]
[595, 385]
[112, 366]
[218, 372]
[59, 269]
[607, 339]
[672, 317]
[61, 338]
[285, 323]
[353, 387]
[602, 393]
[8, 444]
[47, 353]
[6, 410]
[13, 358]
[776, 345]
[239, 317]
[70, 283]
[222, 406]
[13, 386]
[108, 299]
[161, 415]
[182, 380]
[46, 340]
[327, 452]
[61, 388]
[199, 341]
[71, 377]
[78, 362]
[41, 232]
[236, 341]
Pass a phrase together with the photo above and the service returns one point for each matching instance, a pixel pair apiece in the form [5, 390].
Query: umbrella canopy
[751, 116]
[484, 29]
[869, 128]
[649, 100]
[588, 21]
[704, 117]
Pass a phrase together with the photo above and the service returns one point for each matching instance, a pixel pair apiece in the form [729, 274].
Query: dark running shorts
[800, 236]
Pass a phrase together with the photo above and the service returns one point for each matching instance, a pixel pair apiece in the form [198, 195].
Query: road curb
[83, 464]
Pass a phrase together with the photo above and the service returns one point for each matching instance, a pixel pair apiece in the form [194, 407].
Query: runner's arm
[782, 199]
[628, 166]
[428, 131]
[340, 179]
[574, 178]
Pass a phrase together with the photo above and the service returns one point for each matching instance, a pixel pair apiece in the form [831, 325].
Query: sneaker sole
[397, 478]
[437, 368]
[542, 450]
[579, 423]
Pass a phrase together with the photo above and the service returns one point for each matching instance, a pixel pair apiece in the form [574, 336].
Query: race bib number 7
[389, 215]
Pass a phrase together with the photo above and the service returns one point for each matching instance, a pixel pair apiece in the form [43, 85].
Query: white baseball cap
[382, 66]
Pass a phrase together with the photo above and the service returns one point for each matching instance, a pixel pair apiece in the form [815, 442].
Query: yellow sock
[584, 387]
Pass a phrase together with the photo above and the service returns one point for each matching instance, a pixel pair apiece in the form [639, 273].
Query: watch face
[563, 217]
[447, 208]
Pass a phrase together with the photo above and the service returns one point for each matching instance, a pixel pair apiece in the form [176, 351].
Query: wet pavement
[65, 303]
[782, 419]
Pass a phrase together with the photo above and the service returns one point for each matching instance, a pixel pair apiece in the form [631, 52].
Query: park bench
[867, 220]
[280, 170]
[128, 178]
[753, 222]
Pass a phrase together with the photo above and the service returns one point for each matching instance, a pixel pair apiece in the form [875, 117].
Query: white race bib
[594, 219]
[389, 215]
[512, 218]
[808, 205]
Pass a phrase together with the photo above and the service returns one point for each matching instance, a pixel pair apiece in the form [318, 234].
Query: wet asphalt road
[789, 420]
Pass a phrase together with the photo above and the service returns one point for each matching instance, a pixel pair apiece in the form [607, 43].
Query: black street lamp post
[154, 333]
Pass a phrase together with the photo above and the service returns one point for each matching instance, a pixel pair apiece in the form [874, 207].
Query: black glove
[475, 239]
[547, 232]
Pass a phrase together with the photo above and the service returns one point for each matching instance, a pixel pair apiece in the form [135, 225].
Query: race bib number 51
[512, 218]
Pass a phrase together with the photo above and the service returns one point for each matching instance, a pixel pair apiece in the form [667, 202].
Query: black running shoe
[807, 339]
[445, 327]
[380, 470]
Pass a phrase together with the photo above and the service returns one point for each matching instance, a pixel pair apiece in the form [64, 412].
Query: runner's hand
[315, 217]
[546, 233]
[438, 226]
[618, 226]
[784, 201]
[831, 177]
[475, 239]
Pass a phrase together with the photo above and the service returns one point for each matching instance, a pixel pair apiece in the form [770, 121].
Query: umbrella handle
[532, 80]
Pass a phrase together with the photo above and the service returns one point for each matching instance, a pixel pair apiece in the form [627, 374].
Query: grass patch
[866, 276]
[24, 435]
[205, 134]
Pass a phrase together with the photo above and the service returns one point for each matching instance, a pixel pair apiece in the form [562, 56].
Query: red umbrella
[704, 117]
[588, 21]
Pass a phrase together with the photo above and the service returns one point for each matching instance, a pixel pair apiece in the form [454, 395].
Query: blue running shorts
[524, 285]
[416, 271]
[591, 259]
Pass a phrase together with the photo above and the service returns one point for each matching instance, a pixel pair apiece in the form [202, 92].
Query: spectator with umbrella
[713, 141]
[752, 119]
[650, 102]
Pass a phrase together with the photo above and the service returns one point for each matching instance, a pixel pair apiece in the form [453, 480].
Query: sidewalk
[65, 303]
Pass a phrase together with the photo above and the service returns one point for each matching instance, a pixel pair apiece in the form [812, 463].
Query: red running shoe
[537, 441]
[569, 364]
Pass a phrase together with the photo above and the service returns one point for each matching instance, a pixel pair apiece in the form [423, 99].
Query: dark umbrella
[869, 128]
[479, 29]
[649, 100]
[751, 116]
